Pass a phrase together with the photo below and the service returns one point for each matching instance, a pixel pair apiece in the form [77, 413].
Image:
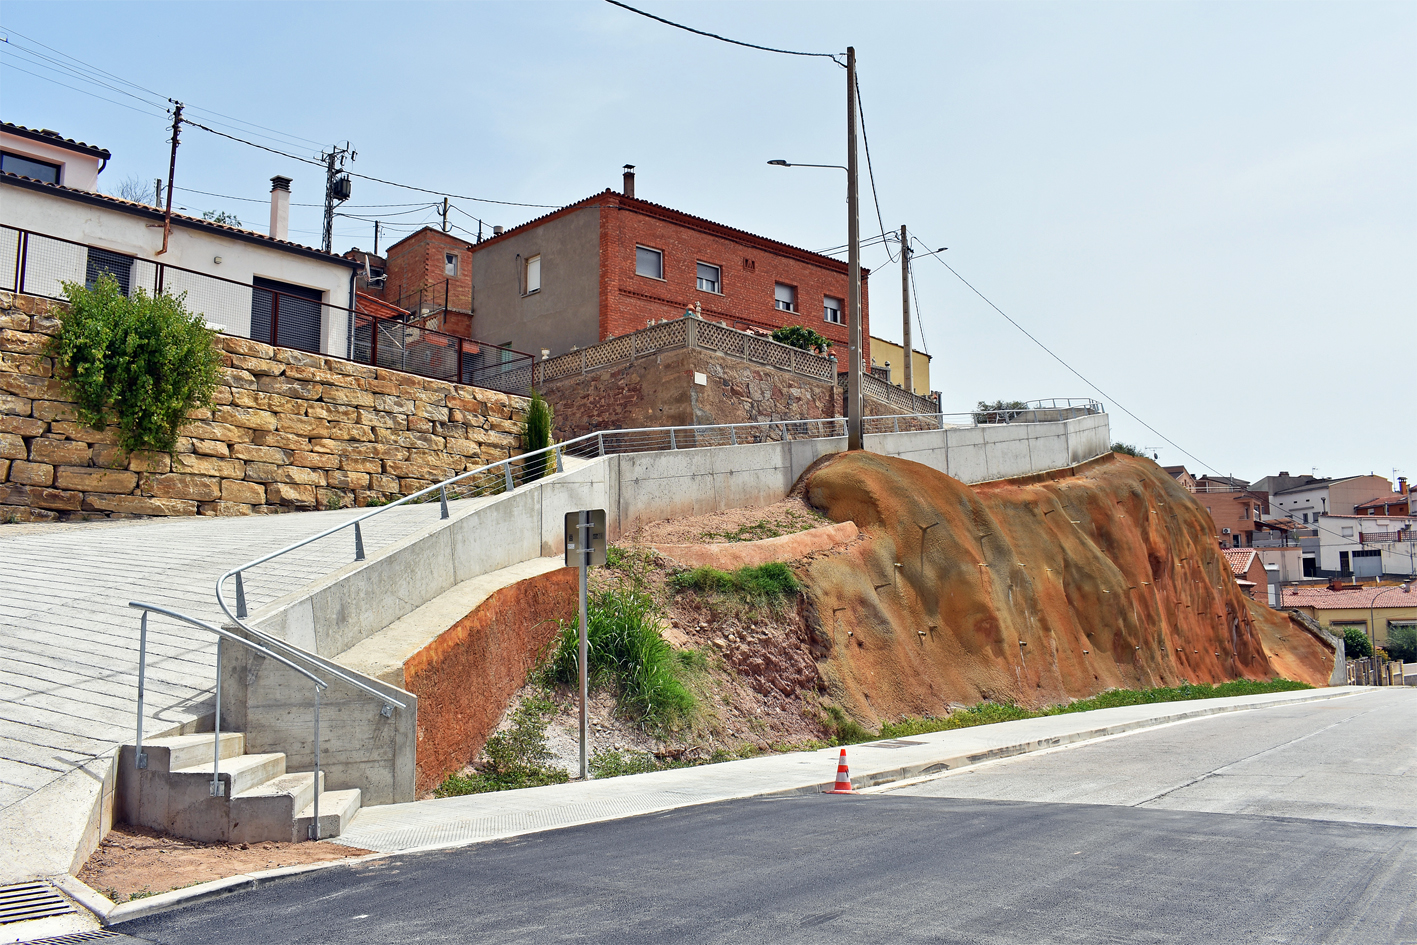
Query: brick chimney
[629, 180]
[1402, 485]
[280, 207]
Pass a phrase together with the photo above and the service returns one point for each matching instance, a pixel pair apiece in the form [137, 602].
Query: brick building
[429, 274]
[612, 264]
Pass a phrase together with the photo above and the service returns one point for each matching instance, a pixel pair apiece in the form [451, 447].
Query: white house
[1368, 545]
[1307, 502]
[56, 227]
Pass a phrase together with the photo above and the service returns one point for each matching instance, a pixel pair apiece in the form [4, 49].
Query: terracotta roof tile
[1239, 559]
[1321, 598]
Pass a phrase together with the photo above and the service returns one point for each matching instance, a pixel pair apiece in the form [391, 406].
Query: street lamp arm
[782, 163]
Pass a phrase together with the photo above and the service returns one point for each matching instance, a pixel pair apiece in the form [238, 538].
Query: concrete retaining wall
[482, 535]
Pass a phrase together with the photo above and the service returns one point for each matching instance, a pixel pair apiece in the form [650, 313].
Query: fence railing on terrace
[37, 264]
[1405, 534]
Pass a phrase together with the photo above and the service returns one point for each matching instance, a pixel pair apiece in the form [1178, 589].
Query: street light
[1406, 588]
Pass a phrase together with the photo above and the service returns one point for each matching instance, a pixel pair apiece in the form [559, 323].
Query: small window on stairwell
[450, 265]
[533, 274]
[1347, 531]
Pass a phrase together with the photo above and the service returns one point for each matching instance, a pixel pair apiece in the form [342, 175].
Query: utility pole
[905, 309]
[157, 191]
[445, 214]
[336, 188]
[171, 173]
[376, 237]
[853, 285]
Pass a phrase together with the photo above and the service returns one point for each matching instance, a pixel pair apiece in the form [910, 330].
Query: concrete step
[184, 751]
[267, 811]
[245, 771]
[336, 809]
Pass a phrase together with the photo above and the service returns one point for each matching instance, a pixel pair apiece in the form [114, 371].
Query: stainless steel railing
[140, 757]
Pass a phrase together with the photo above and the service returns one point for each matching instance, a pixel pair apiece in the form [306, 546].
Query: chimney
[629, 180]
[1402, 485]
[1335, 584]
[496, 231]
[280, 207]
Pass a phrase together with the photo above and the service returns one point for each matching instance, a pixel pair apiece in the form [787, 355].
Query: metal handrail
[140, 758]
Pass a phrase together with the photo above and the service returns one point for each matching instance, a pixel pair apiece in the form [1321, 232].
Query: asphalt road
[1219, 830]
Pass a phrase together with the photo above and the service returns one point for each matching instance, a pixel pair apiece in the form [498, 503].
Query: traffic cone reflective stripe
[843, 777]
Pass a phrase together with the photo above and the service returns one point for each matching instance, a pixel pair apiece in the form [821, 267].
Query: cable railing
[140, 758]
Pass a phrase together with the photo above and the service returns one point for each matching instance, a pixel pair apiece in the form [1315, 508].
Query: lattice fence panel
[609, 352]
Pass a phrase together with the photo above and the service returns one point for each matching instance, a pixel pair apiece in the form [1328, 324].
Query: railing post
[140, 757]
[582, 360]
[315, 821]
[374, 340]
[733, 435]
[897, 424]
[240, 596]
[275, 318]
[22, 258]
[216, 728]
[600, 444]
[691, 332]
[443, 501]
[507, 474]
[673, 443]
[358, 543]
[560, 465]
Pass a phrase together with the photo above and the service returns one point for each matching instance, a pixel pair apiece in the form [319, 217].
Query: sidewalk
[454, 821]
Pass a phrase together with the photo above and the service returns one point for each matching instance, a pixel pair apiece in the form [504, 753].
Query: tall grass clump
[536, 435]
[625, 650]
[517, 757]
[765, 585]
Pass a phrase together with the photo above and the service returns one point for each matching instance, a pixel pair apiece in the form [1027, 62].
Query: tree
[537, 436]
[1356, 645]
[222, 217]
[136, 189]
[1000, 411]
[804, 338]
[1402, 643]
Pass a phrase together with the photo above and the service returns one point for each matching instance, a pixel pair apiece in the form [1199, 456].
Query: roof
[373, 305]
[452, 240]
[1394, 499]
[1318, 484]
[1239, 559]
[1175, 471]
[54, 138]
[1281, 524]
[152, 213]
[1350, 598]
[670, 215]
[1369, 518]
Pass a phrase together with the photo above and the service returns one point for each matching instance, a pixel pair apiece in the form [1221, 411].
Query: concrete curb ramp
[459, 821]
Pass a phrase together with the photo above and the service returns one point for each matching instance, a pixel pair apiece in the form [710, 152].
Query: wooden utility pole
[171, 173]
[853, 285]
[445, 214]
[905, 309]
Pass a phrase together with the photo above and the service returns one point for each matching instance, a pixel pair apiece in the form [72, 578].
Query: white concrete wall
[227, 307]
[79, 171]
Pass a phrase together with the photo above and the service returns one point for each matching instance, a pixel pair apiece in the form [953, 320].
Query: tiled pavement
[69, 641]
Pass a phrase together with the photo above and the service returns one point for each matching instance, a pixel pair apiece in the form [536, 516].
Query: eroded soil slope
[1036, 590]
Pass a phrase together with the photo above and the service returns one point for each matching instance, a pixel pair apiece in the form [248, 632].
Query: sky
[1208, 211]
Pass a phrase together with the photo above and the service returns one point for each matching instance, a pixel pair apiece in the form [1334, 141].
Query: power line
[919, 317]
[865, 140]
[1074, 370]
[11, 65]
[725, 39]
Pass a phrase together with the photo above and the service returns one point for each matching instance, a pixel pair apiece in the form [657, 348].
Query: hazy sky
[1209, 210]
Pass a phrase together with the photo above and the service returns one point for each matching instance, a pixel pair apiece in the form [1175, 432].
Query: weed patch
[625, 650]
[756, 531]
[614, 764]
[765, 585]
[516, 758]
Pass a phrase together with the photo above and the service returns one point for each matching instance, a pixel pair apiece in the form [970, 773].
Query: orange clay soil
[137, 862]
[1037, 590]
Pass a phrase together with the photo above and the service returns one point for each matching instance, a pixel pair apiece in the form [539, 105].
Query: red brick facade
[417, 273]
[749, 265]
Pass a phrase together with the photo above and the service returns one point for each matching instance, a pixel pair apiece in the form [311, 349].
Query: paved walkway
[69, 641]
[398, 828]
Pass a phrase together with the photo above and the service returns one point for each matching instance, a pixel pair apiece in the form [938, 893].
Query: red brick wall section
[417, 263]
[629, 301]
[464, 678]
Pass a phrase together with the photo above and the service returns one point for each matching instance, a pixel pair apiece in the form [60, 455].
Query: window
[709, 278]
[649, 262]
[533, 274]
[287, 315]
[831, 310]
[104, 262]
[1347, 531]
[1305, 517]
[784, 297]
[450, 264]
[29, 167]
[1244, 512]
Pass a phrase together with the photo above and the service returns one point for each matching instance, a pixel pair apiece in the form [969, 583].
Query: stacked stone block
[287, 430]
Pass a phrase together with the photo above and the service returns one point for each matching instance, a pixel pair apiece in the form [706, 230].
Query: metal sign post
[585, 548]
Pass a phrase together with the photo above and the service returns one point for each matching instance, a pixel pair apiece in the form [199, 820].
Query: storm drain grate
[78, 938]
[24, 901]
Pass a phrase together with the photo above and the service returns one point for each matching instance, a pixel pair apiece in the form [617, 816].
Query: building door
[1343, 565]
[292, 310]
[1368, 563]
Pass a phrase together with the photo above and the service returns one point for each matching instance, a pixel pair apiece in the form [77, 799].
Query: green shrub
[625, 650]
[537, 435]
[763, 585]
[516, 758]
[804, 338]
[1126, 449]
[141, 362]
[1356, 645]
[1402, 643]
[1000, 411]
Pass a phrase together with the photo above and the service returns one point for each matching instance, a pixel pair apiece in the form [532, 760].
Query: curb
[163, 902]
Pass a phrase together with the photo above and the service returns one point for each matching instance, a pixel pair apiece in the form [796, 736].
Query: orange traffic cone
[843, 777]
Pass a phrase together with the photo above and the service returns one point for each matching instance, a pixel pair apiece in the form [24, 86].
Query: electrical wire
[870, 172]
[725, 39]
[348, 206]
[919, 318]
[1075, 371]
[11, 65]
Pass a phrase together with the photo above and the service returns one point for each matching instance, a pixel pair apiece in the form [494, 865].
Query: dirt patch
[134, 862]
[769, 521]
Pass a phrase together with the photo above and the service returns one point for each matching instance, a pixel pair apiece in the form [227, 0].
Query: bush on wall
[139, 362]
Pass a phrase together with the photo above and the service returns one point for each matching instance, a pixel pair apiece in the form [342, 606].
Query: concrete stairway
[259, 799]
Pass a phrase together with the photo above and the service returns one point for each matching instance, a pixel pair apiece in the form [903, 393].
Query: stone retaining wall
[287, 430]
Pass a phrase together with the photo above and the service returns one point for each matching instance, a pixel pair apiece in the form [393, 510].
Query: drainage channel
[24, 901]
